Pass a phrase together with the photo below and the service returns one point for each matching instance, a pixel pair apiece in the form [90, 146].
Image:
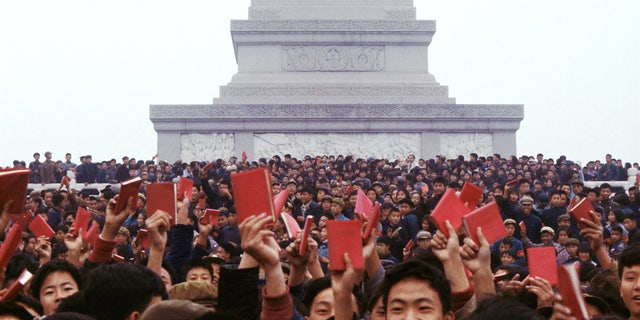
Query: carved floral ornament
[333, 58]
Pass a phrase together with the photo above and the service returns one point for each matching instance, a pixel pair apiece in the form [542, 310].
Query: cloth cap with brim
[509, 221]
[423, 235]
[526, 199]
[548, 230]
[177, 310]
[202, 293]
[124, 231]
[572, 242]
[564, 217]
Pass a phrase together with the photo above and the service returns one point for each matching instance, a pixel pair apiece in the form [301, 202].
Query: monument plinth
[333, 77]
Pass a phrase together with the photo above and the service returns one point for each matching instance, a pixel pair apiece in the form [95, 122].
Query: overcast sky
[79, 76]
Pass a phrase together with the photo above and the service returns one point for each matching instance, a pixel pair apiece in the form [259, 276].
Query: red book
[82, 221]
[523, 227]
[349, 190]
[569, 289]
[40, 228]
[13, 186]
[374, 219]
[185, 185]
[304, 238]
[65, 180]
[17, 286]
[448, 208]
[581, 210]
[408, 246]
[207, 167]
[210, 217]
[244, 155]
[202, 203]
[117, 258]
[162, 196]
[23, 219]
[291, 224]
[8, 247]
[279, 201]
[511, 183]
[92, 234]
[488, 218]
[128, 190]
[343, 236]
[363, 204]
[542, 263]
[252, 193]
[470, 195]
[142, 238]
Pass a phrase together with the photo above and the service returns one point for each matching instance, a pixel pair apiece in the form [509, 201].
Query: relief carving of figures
[199, 146]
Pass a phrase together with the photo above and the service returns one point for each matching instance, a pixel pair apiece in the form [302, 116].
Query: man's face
[615, 236]
[57, 286]
[577, 188]
[233, 219]
[555, 200]
[572, 250]
[198, 274]
[629, 224]
[394, 217]
[526, 208]
[546, 237]
[292, 188]
[438, 188]
[305, 197]
[322, 306]
[605, 193]
[511, 229]
[336, 209]
[222, 221]
[405, 208]
[414, 299]
[524, 187]
[630, 289]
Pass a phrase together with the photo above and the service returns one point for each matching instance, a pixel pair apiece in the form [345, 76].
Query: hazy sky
[79, 76]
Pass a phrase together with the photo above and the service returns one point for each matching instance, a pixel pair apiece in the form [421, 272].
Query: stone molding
[332, 58]
[425, 91]
[296, 26]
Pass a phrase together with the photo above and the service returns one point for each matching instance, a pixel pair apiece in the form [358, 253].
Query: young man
[417, 290]
[629, 272]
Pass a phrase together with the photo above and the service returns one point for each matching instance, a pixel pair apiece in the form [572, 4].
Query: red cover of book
[291, 224]
[23, 219]
[13, 186]
[448, 208]
[511, 183]
[581, 210]
[202, 203]
[363, 204]
[409, 245]
[128, 190]
[210, 217]
[82, 221]
[39, 228]
[143, 238]
[344, 236]
[162, 196]
[207, 167]
[185, 185]
[8, 247]
[488, 218]
[279, 200]
[542, 263]
[374, 219]
[252, 193]
[17, 286]
[470, 195]
[569, 289]
[92, 234]
[304, 238]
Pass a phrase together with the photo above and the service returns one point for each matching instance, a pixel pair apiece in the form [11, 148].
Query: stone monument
[333, 77]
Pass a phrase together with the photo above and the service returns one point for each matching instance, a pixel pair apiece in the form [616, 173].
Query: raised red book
[185, 186]
[162, 196]
[13, 186]
[210, 217]
[128, 190]
[92, 234]
[304, 238]
[542, 263]
[82, 221]
[373, 221]
[142, 238]
[448, 208]
[488, 218]
[344, 236]
[409, 245]
[569, 289]
[202, 203]
[40, 228]
[291, 224]
[17, 286]
[470, 195]
[207, 167]
[23, 219]
[252, 193]
[8, 247]
[279, 201]
[363, 204]
[581, 210]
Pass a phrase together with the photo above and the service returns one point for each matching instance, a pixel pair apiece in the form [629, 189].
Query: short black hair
[630, 257]
[421, 271]
[500, 308]
[318, 285]
[50, 267]
[196, 263]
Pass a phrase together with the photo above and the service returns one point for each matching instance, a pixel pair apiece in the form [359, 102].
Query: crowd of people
[190, 268]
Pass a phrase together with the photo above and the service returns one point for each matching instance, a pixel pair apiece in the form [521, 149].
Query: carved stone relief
[198, 146]
[379, 145]
[455, 144]
[332, 58]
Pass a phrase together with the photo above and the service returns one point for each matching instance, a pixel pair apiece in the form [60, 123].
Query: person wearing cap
[531, 221]
[337, 206]
[517, 247]
[546, 234]
[571, 246]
